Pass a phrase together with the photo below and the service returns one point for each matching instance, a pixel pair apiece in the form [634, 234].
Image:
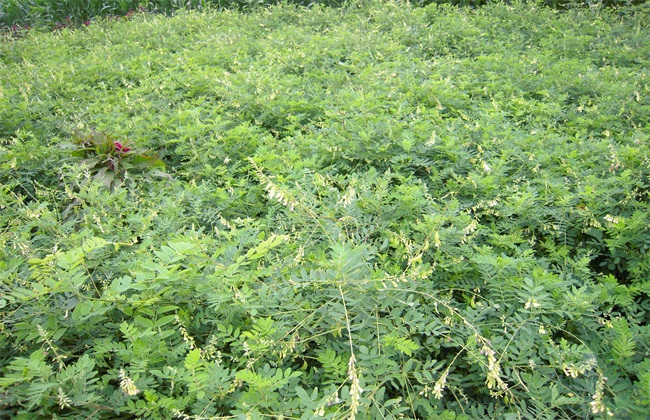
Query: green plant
[110, 161]
[377, 211]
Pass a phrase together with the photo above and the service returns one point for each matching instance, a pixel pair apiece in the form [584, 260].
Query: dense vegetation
[374, 211]
[21, 14]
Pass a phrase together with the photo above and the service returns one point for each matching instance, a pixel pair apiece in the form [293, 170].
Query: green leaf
[401, 344]
[265, 246]
[161, 322]
[81, 311]
[92, 244]
[121, 284]
[146, 162]
[193, 360]
[145, 322]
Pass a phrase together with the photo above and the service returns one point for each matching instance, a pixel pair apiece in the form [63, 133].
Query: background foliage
[19, 14]
[374, 211]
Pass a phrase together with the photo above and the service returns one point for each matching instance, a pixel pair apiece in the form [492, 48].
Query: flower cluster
[121, 148]
[598, 404]
[127, 385]
[355, 388]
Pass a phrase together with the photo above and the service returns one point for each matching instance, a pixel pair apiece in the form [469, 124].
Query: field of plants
[376, 211]
[61, 13]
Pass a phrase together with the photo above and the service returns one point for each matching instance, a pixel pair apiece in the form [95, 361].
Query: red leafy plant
[110, 161]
